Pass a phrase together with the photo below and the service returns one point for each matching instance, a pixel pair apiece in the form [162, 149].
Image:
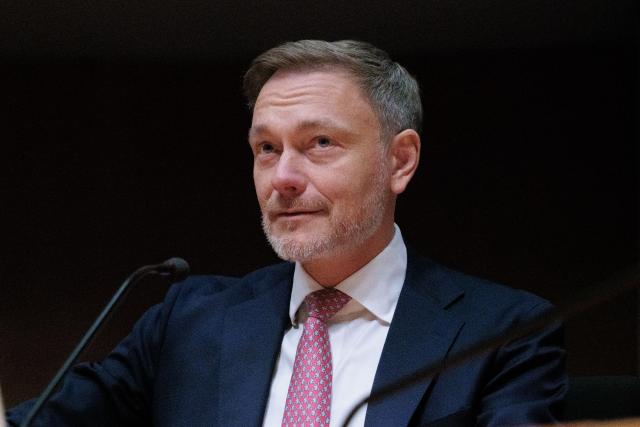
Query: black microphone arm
[175, 269]
[595, 295]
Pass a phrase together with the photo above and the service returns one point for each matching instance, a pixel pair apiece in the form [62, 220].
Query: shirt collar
[376, 286]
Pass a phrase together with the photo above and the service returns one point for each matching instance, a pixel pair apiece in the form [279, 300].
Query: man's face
[320, 170]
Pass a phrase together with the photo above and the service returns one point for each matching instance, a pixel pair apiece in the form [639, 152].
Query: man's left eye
[323, 142]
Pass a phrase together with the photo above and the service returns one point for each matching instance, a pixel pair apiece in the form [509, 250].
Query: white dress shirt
[356, 333]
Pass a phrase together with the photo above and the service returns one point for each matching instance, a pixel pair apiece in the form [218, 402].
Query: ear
[404, 152]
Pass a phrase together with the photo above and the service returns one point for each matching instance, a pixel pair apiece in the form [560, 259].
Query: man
[335, 140]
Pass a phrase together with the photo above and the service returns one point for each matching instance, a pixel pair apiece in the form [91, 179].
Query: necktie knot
[323, 304]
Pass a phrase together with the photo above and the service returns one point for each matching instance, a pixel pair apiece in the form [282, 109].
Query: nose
[289, 178]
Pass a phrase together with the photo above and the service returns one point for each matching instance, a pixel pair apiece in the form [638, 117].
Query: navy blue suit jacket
[205, 357]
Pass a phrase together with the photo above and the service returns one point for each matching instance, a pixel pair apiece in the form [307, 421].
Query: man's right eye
[265, 148]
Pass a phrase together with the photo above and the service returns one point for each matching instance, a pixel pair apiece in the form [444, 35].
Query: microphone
[174, 269]
[595, 295]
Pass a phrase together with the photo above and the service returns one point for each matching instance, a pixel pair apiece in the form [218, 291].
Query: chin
[296, 248]
[293, 241]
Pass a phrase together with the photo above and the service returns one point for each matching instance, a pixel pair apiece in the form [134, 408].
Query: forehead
[327, 95]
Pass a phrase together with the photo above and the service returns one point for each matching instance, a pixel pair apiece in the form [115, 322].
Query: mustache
[278, 204]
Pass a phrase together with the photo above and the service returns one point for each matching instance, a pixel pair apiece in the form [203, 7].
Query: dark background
[124, 143]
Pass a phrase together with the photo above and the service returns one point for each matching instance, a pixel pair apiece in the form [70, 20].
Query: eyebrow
[301, 126]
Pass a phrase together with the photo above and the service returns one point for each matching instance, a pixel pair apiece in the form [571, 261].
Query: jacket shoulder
[207, 285]
[461, 292]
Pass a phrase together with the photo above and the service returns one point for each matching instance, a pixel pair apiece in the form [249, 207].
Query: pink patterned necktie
[309, 397]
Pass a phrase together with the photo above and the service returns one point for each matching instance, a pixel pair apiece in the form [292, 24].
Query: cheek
[343, 190]
[356, 189]
[346, 181]
[263, 190]
[355, 180]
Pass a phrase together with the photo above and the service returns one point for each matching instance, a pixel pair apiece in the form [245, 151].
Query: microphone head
[176, 268]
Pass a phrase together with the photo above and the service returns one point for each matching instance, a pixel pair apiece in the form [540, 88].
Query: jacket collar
[252, 336]
[421, 333]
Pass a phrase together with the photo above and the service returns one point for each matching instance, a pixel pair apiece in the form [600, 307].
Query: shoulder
[483, 291]
[198, 288]
[200, 302]
[473, 297]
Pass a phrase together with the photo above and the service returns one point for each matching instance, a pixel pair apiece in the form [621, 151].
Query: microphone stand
[166, 268]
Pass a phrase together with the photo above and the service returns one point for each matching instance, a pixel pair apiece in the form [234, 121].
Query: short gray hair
[393, 93]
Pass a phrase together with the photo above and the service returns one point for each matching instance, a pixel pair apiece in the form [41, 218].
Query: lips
[295, 214]
[293, 209]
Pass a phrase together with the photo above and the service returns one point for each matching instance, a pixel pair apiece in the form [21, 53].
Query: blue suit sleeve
[528, 380]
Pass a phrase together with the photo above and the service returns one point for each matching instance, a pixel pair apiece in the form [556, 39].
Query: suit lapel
[252, 338]
[421, 334]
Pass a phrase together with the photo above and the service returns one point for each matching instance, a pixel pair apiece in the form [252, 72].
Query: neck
[333, 269]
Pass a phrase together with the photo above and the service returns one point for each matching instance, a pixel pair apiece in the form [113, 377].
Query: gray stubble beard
[350, 233]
